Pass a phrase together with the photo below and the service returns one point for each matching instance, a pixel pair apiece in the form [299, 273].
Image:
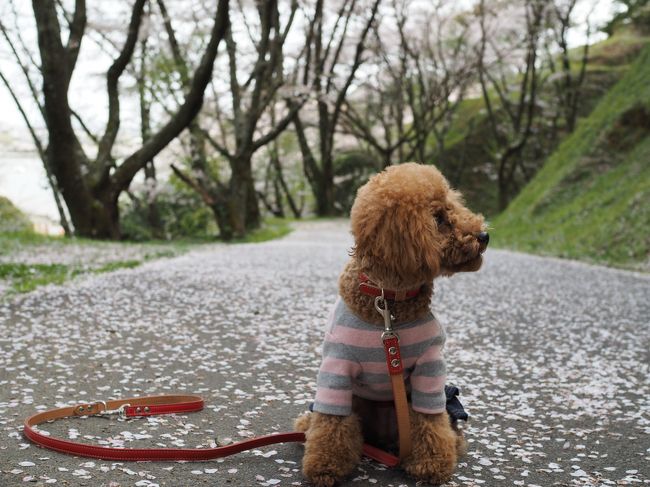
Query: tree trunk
[387, 157]
[91, 189]
[93, 215]
[100, 220]
[325, 201]
[243, 205]
[222, 217]
[324, 194]
[275, 160]
[253, 215]
[277, 193]
[505, 179]
[153, 214]
[237, 208]
[504, 195]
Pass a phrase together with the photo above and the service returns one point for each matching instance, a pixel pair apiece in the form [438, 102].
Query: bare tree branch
[112, 79]
[77, 28]
[193, 101]
[42, 155]
[194, 184]
[23, 66]
[23, 113]
[85, 128]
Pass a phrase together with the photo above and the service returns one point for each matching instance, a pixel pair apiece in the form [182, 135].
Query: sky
[95, 62]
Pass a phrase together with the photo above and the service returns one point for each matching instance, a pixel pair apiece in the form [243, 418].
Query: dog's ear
[395, 241]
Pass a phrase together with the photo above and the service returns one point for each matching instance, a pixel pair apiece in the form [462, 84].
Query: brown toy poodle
[409, 227]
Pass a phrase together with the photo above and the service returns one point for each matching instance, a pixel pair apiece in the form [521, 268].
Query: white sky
[92, 64]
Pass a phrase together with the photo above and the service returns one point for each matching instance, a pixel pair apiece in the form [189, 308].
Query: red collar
[367, 286]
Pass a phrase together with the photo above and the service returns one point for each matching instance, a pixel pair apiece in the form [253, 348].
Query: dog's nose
[483, 238]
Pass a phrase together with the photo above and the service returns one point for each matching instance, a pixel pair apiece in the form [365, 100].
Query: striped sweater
[354, 363]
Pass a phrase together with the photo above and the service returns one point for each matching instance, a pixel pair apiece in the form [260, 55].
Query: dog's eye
[440, 219]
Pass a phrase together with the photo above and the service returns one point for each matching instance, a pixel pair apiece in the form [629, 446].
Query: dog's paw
[325, 471]
[435, 470]
[332, 448]
[435, 448]
[322, 480]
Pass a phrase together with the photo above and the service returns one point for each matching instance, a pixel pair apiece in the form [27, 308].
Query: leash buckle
[388, 334]
[120, 411]
[381, 305]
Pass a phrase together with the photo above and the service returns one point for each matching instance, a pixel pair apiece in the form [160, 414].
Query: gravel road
[552, 358]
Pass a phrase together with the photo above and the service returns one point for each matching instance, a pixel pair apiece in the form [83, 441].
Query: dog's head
[409, 227]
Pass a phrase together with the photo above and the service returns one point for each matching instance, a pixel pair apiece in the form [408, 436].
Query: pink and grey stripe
[354, 364]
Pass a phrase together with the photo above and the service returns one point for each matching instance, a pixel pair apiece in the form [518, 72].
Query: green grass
[12, 219]
[590, 200]
[113, 266]
[16, 234]
[23, 278]
[620, 49]
[271, 229]
[16, 231]
[13, 241]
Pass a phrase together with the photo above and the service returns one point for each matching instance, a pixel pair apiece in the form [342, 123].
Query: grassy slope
[591, 199]
[11, 218]
[618, 50]
[609, 60]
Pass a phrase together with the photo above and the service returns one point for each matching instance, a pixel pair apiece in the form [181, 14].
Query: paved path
[552, 358]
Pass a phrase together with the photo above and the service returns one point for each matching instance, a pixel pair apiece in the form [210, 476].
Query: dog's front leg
[435, 448]
[333, 447]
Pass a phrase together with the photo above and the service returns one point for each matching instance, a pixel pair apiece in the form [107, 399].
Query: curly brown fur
[409, 227]
[435, 451]
[333, 447]
[301, 423]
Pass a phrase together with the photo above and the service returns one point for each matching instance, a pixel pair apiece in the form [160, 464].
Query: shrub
[181, 214]
[12, 219]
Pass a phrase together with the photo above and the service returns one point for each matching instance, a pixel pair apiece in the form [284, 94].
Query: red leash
[153, 405]
[150, 406]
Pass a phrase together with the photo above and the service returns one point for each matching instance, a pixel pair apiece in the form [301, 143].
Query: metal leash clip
[120, 411]
[381, 305]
